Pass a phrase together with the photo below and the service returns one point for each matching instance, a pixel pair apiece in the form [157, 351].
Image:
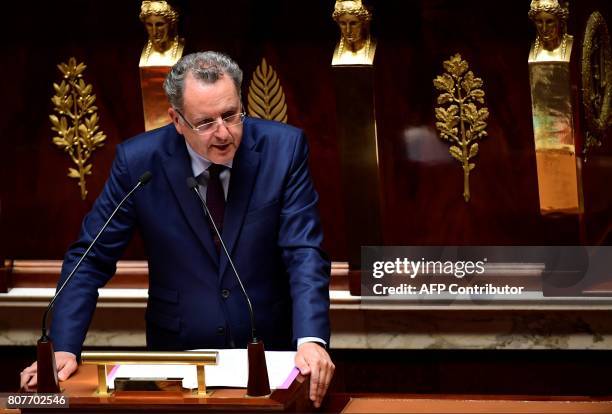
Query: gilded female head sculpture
[356, 45]
[550, 19]
[164, 47]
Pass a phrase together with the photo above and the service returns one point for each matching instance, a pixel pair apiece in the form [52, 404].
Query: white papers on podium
[230, 371]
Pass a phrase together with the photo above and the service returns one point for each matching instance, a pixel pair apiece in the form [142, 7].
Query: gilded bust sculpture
[552, 41]
[164, 47]
[356, 46]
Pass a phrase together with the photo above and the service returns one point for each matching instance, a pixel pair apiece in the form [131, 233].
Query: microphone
[258, 384]
[193, 184]
[46, 368]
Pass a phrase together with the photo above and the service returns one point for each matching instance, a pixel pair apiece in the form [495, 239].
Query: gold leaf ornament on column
[596, 68]
[266, 97]
[460, 120]
[76, 122]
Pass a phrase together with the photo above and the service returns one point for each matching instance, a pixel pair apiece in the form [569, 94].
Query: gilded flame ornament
[459, 119]
[76, 124]
[266, 97]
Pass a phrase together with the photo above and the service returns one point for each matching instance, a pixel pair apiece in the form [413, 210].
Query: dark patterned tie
[215, 198]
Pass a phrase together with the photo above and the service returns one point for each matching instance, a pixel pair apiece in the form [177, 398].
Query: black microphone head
[192, 182]
[145, 178]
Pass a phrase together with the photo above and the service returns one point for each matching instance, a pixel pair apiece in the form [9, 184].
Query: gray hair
[207, 67]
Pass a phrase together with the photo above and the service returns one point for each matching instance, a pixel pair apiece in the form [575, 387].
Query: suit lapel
[177, 168]
[244, 174]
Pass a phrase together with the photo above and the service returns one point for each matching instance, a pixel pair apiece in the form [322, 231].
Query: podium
[83, 398]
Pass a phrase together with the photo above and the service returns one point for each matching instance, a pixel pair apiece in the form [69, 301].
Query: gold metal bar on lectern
[104, 358]
[102, 385]
[201, 380]
[135, 357]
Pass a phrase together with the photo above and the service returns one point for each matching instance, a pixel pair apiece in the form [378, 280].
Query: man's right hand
[66, 366]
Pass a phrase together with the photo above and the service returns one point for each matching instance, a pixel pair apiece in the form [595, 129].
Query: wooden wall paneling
[421, 185]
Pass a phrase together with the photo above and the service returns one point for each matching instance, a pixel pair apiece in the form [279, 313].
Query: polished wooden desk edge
[465, 403]
[493, 397]
[474, 405]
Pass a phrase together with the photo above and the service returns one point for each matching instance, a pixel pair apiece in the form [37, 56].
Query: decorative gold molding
[77, 124]
[266, 97]
[596, 81]
[462, 122]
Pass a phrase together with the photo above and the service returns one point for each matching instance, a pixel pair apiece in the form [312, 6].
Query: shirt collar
[200, 164]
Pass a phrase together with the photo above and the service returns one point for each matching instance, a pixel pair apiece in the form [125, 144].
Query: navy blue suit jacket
[271, 228]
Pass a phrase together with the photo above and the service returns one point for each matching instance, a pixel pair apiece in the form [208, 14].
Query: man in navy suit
[255, 177]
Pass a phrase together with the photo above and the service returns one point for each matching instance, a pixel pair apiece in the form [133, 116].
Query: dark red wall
[41, 208]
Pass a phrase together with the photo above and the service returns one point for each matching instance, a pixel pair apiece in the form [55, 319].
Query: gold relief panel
[596, 81]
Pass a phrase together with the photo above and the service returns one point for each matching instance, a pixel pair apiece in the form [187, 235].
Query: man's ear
[175, 120]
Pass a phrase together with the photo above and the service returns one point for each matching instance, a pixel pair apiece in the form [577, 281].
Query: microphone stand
[258, 384]
[46, 371]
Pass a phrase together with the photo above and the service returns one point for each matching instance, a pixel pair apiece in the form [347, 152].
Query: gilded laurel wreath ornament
[596, 81]
[459, 119]
[266, 97]
[76, 122]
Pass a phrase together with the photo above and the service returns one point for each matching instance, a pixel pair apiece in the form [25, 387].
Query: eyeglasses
[210, 127]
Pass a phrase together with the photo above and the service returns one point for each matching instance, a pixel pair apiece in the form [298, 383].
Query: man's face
[350, 27]
[207, 102]
[157, 29]
[548, 27]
